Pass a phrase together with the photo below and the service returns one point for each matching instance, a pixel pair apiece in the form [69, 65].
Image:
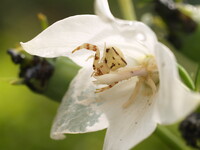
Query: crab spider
[111, 60]
[112, 68]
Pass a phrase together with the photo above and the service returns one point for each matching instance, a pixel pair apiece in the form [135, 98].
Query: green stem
[43, 21]
[65, 71]
[127, 9]
[170, 139]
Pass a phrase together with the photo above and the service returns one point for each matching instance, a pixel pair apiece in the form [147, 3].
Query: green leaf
[197, 80]
[186, 78]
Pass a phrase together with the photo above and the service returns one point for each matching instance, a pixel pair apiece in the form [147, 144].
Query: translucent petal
[127, 126]
[74, 114]
[175, 101]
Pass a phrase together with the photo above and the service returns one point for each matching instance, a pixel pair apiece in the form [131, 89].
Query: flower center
[146, 72]
[112, 69]
[149, 79]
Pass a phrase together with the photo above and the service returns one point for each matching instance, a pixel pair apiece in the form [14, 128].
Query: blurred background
[26, 117]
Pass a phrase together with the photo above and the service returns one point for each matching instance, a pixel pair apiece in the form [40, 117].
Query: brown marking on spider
[107, 50]
[96, 57]
[95, 48]
[93, 67]
[112, 65]
[115, 51]
[123, 60]
[88, 46]
[105, 60]
[105, 88]
[111, 57]
[114, 57]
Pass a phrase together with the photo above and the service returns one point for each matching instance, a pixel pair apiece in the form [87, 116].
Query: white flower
[133, 82]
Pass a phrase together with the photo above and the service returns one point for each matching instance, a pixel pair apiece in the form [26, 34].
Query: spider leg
[134, 94]
[91, 48]
[152, 85]
[89, 57]
[105, 88]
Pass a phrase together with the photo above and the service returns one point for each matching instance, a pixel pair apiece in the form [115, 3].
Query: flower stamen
[112, 69]
[134, 94]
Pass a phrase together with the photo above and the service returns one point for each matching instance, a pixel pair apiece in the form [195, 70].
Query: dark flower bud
[37, 73]
[16, 57]
[177, 22]
[47, 76]
[34, 71]
[190, 130]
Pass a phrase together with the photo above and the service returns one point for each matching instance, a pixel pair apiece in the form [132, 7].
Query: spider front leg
[152, 85]
[99, 67]
[105, 88]
[134, 94]
[91, 47]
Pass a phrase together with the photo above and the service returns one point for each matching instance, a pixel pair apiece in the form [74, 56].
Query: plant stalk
[170, 139]
[127, 9]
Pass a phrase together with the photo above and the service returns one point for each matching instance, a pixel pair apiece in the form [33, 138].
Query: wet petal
[175, 100]
[74, 115]
[127, 126]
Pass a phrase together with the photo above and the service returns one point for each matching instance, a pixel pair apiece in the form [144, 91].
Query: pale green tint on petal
[127, 126]
[74, 116]
[175, 100]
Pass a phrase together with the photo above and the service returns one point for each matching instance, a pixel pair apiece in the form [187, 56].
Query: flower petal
[64, 36]
[74, 116]
[102, 9]
[138, 31]
[175, 100]
[127, 126]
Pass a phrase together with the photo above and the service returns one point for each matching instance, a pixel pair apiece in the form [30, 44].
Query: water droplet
[140, 37]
